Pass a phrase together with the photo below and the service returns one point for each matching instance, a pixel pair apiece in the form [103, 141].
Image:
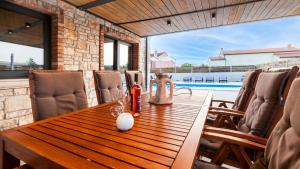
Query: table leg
[7, 161]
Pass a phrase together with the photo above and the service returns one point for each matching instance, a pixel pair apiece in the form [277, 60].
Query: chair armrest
[238, 134]
[228, 113]
[223, 101]
[225, 109]
[234, 140]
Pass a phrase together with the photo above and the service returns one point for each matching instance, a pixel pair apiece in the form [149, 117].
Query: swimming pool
[210, 86]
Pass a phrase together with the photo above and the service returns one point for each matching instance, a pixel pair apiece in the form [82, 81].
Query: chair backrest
[108, 86]
[129, 76]
[267, 101]
[247, 90]
[56, 92]
[282, 148]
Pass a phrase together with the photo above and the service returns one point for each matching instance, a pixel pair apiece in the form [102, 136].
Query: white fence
[231, 76]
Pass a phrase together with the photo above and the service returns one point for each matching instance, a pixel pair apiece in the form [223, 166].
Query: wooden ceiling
[149, 17]
[32, 36]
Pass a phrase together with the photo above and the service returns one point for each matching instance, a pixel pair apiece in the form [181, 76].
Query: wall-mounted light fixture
[27, 25]
[10, 31]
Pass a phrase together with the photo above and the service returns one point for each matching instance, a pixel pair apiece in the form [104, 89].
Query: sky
[108, 54]
[21, 53]
[196, 46]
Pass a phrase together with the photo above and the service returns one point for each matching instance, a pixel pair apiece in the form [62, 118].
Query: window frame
[46, 39]
[116, 55]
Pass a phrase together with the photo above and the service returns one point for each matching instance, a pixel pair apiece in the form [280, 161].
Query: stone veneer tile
[1, 115]
[25, 119]
[6, 92]
[19, 113]
[8, 123]
[1, 105]
[20, 91]
[15, 103]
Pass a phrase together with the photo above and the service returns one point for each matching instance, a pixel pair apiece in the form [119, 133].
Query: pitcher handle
[151, 85]
[171, 87]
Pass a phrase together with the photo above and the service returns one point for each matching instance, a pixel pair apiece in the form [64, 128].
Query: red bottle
[136, 97]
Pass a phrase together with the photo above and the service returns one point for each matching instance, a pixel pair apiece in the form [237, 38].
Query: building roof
[161, 56]
[157, 54]
[285, 52]
[289, 48]
[289, 54]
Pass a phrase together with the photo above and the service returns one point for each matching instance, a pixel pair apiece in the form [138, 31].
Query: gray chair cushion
[246, 90]
[56, 92]
[282, 149]
[262, 107]
[108, 86]
[129, 75]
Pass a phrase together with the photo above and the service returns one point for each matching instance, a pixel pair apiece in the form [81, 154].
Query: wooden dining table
[163, 136]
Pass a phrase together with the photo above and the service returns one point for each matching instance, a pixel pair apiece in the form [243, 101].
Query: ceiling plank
[220, 12]
[246, 12]
[190, 12]
[271, 5]
[262, 8]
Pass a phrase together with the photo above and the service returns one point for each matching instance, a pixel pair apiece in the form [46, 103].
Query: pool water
[208, 86]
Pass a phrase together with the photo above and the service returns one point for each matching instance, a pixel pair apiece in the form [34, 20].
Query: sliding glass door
[109, 54]
[117, 56]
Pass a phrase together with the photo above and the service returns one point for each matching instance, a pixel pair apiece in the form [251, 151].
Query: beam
[94, 4]
[191, 12]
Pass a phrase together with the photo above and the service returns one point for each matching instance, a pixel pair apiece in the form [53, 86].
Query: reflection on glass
[108, 54]
[124, 51]
[21, 41]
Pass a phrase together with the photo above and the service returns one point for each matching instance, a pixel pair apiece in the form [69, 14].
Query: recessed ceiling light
[213, 15]
[27, 25]
[10, 31]
[168, 22]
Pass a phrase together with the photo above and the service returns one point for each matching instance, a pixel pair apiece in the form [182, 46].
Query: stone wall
[15, 106]
[75, 46]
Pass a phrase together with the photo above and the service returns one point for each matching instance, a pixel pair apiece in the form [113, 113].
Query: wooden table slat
[114, 158]
[142, 143]
[95, 125]
[138, 123]
[176, 140]
[110, 121]
[78, 150]
[163, 121]
[115, 145]
[66, 159]
[186, 157]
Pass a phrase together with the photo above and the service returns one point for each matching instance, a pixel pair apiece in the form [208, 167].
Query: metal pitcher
[161, 97]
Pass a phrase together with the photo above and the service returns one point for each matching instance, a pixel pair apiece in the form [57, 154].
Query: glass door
[124, 57]
[109, 54]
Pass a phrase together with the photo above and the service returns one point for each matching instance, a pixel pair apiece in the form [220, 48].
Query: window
[124, 53]
[24, 40]
[108, 54]
[117, 55]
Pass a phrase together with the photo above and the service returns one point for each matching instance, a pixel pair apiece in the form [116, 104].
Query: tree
[31, 63]
[186, 65]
